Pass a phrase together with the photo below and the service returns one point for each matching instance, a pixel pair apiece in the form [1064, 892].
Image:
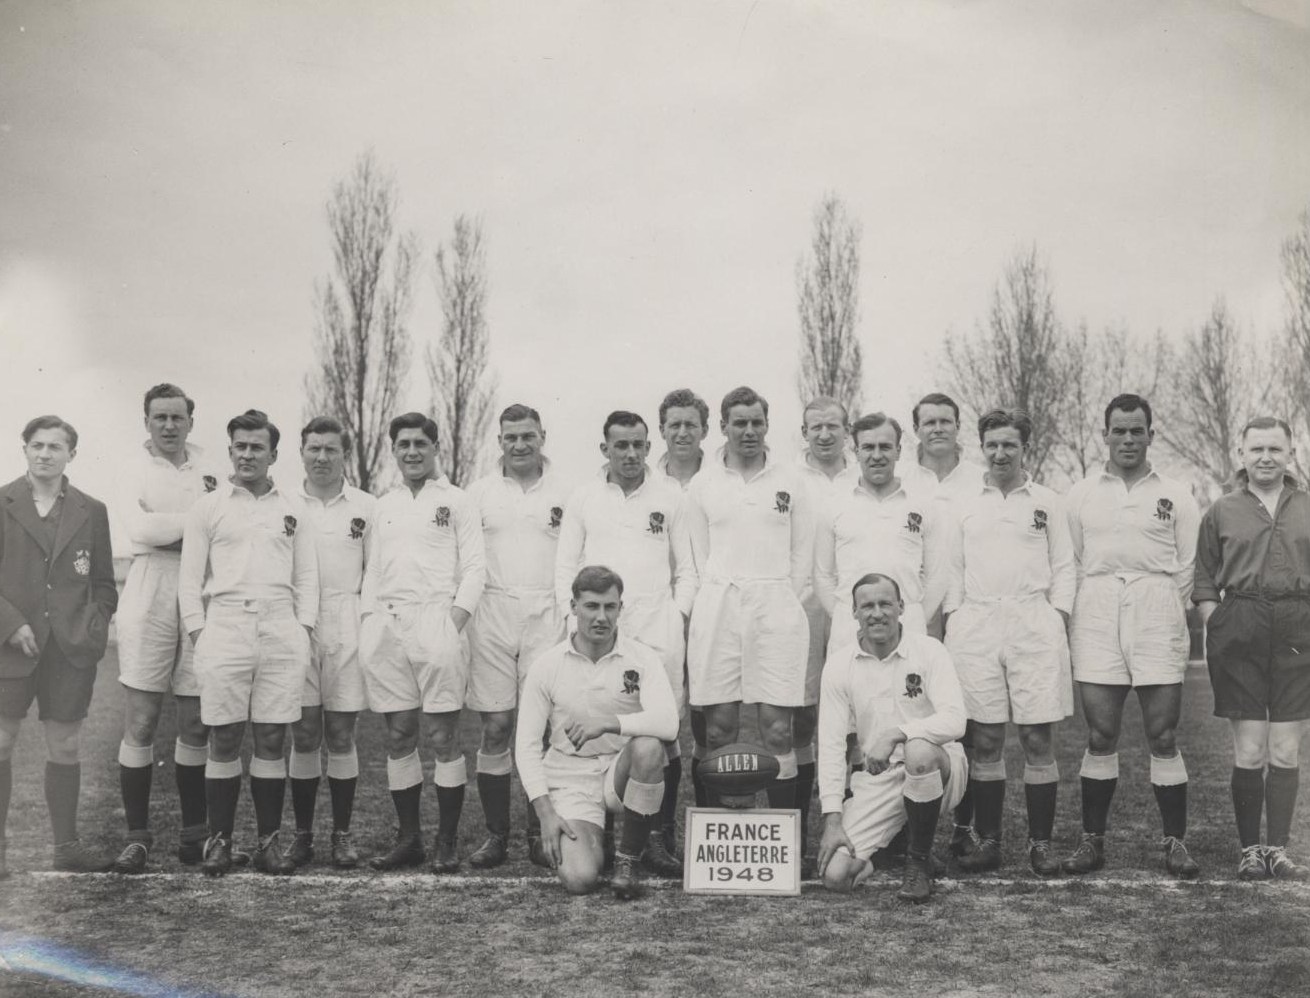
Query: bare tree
[1294, 402]
[463, 391]
[828, 304]
[361, 339]
[1021, 359]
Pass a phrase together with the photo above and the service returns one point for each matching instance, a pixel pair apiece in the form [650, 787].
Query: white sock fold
[1100, 767]
[135, 756]
[405, 772]
[923, 788]
[1168, 772]
[496, 765]
[344, 766]
[450, 774]
[268, 769]
[306, 765]
[644, 798]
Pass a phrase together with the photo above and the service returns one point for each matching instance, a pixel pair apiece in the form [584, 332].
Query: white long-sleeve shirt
[426, 547]
[153, 496]
[752, 528]
[521, 529]
[961, 482]
[238, 546]
[1149, 529]
[914, 689]
[563, 684]
[642, 535]
[899, 536]
[1011, 546]
[343, 536]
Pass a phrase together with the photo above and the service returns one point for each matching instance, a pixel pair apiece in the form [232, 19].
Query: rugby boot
[301, 852]
[656, 858]
[1283, 867]
[344, 854]
[191, 844]
[269, 858]
[1177, 861]
[217, 858]
[1252, 865]
[537, 852]
[447, 860]
[625, 880]
[1088, 857]
[963, 841]
[407, 850]
[72, 857]
[132, 859]
[1043, 863]
[491, 853]
[916, 886]
[984, 859]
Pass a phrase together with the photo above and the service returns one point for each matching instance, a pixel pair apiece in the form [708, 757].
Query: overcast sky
[646, 175]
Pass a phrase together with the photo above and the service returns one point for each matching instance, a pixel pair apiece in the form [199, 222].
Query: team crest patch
[913, 685]
[631, 682]
[1164, 510]
[356, 528]
[782, 502]
[1039, 519]
[442, 517]
[556, 517]
[656, 523]
[210, 482]
[913, 522]
[82, 562]
[289, 525]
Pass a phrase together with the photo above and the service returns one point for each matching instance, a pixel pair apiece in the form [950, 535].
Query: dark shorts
[1258, 653]
[62, 692]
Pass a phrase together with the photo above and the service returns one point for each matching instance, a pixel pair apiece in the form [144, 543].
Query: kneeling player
[897, 690]
[609, 706]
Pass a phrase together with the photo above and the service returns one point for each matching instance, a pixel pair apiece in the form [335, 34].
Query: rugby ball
[738, 770]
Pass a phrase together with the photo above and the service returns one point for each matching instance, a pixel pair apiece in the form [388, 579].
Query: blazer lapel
[21, 508]
[71, 521]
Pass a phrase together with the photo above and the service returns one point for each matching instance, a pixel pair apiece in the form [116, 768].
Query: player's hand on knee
[553, 827]
[834, 838]
[25, 641]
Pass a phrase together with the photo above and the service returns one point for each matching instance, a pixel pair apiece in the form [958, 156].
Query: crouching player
[610, 708]
[897, 690]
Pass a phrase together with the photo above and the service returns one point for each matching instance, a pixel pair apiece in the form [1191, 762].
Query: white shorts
[1012, 660]
[820, 629]
[154, 652]
[875, 811]
[506, 635]
[1129, 632]
[334, 680]
[582, 787]
[413, 657]
[656, 623]
[251, 659]
[748, 644]
[845, 630]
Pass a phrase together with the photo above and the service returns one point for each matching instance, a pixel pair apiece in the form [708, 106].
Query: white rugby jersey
[914, 689]
[1149, 529]
[343, 534]
[898, 536]
[662, 467]
[1011, 546]
[962, 482]
[153, 497]
[751, 529]
[563, 684]
[426, 547]
[823, 488]
[640, 535]
[520, 528]
[240, 546]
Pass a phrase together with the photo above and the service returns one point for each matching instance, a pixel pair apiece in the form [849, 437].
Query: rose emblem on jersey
[442, 516]
[913, 522]
[1164, 510]
[211, 483]
[631, 681]
[782, 502]
[289, 525]
[356, 528]
[656, 523]
[82, 562]
[1039, 519]
[556, 517]
[913, 685]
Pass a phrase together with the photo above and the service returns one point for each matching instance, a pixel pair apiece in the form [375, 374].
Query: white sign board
[742, 852]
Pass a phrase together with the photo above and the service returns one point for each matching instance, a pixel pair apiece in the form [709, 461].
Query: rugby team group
[887, 618]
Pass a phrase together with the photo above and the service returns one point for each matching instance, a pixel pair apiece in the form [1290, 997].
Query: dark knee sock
[921, 824]
[1097, 795]
[1280, 803]
[62, 783]
[134, 782]
[804, 792]
[1172, 801]
[191, 793]
[267, 794]
[1248, 803]
[988, 807]
[341, 789]
[672, 780]
[963, 814]
[533, 820]
[698, 785]
[450, 805]
[493, 791]
[636, 829]
[304, 795]
[408, 802]
[1040, 798]
[221, 797]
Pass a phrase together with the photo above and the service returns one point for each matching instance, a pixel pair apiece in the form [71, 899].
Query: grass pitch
[1126, 931]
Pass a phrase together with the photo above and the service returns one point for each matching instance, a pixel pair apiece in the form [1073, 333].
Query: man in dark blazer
[57, 595]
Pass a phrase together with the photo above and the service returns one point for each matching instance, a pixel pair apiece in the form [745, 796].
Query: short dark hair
[50, 423]
[825, 402]
[596, 579]
[1000, 418]
[868, 579]
[254, 419]
[621, 417]
[413, 421]
[1267, 423]
[871, 421]
[685, 398]
[517, 412]
[326, 424]
[164, 390]
[742, 396]
[935, 398]
[1128, 403]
